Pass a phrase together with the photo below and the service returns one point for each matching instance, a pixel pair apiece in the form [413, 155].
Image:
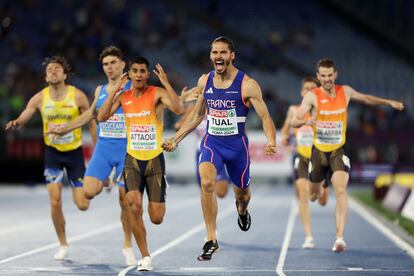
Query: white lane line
[355, 269]
[180, 205]
[83, 236]
[194, 230]
[242, 271]
[213, 268]
[286, 239]
[357, 207]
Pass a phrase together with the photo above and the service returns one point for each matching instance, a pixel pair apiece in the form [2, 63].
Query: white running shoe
[129, 256]
[62, 253]
[339, 245]
[145, 264]
[308, 243]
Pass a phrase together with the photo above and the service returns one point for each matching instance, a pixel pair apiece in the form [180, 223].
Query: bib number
[222, 122]
[329, 133]
[114, 127]
[143, 137]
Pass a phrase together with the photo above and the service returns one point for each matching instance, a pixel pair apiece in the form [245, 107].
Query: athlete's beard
[328, 86]
[55, 82]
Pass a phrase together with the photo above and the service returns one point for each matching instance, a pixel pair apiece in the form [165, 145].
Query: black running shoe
[208, 249]
[244, 221]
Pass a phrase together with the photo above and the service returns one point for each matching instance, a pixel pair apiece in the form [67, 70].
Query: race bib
[223, 122]
[62, 139]
[305, 136]
[329, 133]
[143, 137]
[114, 127]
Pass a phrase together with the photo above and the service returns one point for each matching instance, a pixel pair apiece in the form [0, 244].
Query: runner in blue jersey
[227, 94]
[110, 150]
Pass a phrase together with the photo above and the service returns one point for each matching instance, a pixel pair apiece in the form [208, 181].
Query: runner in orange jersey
[328, 106]
[144, 168]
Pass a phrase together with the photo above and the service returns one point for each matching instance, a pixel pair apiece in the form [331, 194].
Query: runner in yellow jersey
[144, 168]
[302, 154]
[328, 107]
[60, 103]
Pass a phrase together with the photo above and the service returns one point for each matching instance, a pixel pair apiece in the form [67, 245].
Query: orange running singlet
[331, 120]
[144, 130]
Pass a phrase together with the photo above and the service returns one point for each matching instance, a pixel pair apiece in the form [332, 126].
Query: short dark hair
[111, 51]
[60, 60]
[310, 79]
[326, 63]
[139, 60]
[226, 40]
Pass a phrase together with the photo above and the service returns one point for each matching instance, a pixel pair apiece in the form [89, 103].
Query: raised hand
[119, 85]
[270, 149]
[189, 95]
[169, 145]
[161, 74]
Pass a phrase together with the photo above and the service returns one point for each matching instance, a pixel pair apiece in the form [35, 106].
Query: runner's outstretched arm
[370, 99]
[33, 104]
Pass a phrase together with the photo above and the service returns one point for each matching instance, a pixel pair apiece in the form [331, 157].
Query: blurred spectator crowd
[277, 43]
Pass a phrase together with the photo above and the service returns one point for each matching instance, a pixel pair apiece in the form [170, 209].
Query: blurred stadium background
[277, 43]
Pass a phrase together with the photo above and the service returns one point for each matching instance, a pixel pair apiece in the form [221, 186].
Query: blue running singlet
[225, 142]
[110, 150]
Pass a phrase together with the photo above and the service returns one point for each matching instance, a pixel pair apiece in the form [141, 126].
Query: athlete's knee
[157, 218]
[136, 208]
[88, 194]
[340, 190]
[242, 197]
[56, 203]
[82, 205]
[207, 184]
[156, 213]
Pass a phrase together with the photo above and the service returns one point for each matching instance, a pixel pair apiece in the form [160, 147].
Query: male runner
[60, 103]
[144, 169]
[110, 149]
[328, 106]
[227, 94]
